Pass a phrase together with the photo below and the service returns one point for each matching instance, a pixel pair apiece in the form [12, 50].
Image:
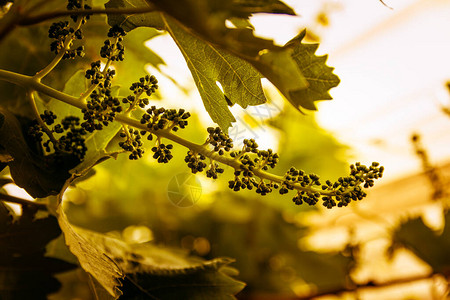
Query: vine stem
[27, 21]
[30, 83]
[67, 44]
[44, 127]
[16, 17]
[133, 105]
[21, 201]
[92, 88]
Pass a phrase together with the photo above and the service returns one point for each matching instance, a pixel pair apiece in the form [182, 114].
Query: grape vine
[100, 108]
[76, 92]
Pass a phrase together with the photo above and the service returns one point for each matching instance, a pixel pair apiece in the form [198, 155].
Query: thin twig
[29, 82]
[22, 19]
[32, 20]
[85, 95]
[44, 127]
[67, 44]
[21, 201]
[385, 4]
[133, 105]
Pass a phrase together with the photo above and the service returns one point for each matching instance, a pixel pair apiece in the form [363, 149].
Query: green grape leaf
[301, 77]
[91, 259]
[146, 271]
[205, 17]
[430, 246]
[208, 19]
[240, 82]
[39, 176]
[319, 76]
[206, 280]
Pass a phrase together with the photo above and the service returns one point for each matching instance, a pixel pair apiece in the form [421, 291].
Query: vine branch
[33, 20]
[21, 201]
[29, 82]
[32, 100]
[18, 18]
[166, 133]
[67, 44]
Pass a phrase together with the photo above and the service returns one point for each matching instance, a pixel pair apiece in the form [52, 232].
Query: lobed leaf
[319, 76]
[234, 57]
[241, 83]
[147, 271]
[92, 260]
[208, 20]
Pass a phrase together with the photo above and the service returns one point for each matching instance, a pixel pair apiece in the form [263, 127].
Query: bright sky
[393, 84]
[393, 64]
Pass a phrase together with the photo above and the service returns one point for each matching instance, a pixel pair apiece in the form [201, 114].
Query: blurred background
[393, 60]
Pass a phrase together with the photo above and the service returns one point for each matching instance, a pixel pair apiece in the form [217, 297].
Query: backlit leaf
[241, 83]
[319, 76]
[207, 45]
[146, 271]
[91, 259]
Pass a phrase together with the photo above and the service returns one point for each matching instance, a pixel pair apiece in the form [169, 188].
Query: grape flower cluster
[250, 163]
[250, 173]
[75, 5]
[154, 119]
[65, 137]
[102, 107]
[148, 85]
[113, 47]
[59, 31]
